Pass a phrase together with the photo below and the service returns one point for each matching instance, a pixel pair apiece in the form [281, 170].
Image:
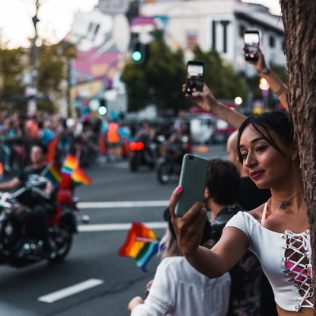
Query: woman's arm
[275, 83]
[207, 102]
[223, 256]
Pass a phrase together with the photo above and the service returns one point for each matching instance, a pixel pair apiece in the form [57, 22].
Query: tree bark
[299, 18]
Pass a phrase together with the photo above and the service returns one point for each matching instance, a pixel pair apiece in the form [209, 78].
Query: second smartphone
[195, 73]
[251, 45]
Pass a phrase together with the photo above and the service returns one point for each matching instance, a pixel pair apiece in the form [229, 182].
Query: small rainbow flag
[54, 175]
[80, 176]
[70, 164]
[141, 244]
[1, 170]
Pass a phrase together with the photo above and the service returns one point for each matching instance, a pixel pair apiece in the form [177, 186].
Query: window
[224, 25]
[93, 29]
[214, 35]
[271, 41]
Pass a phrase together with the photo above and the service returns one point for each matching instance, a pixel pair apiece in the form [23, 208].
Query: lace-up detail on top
[298, 266]
[285, 259]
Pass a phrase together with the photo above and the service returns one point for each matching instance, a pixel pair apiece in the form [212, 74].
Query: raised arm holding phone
[253, 55]
[277, 86]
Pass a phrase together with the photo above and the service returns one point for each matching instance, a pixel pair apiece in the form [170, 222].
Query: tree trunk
[299, 18]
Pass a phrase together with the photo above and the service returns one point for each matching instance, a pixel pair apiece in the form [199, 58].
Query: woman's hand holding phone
[204, 99]
[260, 64]
[189, 227]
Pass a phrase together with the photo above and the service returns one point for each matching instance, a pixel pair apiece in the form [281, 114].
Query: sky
[55, 18]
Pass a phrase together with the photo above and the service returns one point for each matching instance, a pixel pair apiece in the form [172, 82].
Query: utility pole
[32, 103]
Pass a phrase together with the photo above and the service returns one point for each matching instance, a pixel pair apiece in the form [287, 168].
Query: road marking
[71, 290]
[122, 204]
[117, 227]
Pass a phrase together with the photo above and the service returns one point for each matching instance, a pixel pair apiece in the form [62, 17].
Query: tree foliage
[220, 76]
[137, 88]
[51, 66]
[11, 70]
[162, 76]
[164, 72]
[52, 71]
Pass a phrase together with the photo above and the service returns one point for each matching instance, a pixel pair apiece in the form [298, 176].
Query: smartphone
[251, 45]
[195, 72]
[193, 178]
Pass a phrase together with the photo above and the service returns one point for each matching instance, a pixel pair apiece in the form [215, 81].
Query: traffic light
[138, 52]
[103, 108]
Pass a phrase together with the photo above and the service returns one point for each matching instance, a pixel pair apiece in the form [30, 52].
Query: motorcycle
[17, 247]
[143, 152]
[169, 165]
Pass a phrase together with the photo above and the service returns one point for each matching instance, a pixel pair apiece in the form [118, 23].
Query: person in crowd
[113, 140]
[178, 289]
[41, 207]
[147, 132]
[221, 193]
[277, 231]
[178, 143]
[251, 197]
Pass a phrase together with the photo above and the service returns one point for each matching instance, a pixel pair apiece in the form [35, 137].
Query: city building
[219, 25]
[103, 36]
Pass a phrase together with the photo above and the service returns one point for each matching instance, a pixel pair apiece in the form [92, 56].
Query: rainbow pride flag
[70, 164]
[79, 176]
[53, 173]
[141, 244]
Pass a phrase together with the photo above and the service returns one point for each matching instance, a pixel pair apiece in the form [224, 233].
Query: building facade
[219, 25]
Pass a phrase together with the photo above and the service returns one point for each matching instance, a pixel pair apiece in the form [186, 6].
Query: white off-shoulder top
[285, 259]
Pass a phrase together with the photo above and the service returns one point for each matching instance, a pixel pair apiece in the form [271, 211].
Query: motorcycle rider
[41, 203]
[147, 135]
[179, 141]
[147, 131]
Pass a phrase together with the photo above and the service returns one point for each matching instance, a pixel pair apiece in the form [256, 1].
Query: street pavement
[94, 280]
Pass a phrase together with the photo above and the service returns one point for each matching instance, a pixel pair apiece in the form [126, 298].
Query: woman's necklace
[284, 203]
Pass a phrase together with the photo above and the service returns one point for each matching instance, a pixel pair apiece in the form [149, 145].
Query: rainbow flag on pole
[53, 173]
[141, 244]
[70, 164]
[80, 176]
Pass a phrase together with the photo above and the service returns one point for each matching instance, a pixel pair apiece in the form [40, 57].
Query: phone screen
[195, 71]
[251, 45]
[251, 39]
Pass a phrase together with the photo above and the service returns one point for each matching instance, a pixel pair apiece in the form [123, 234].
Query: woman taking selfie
[277, 231]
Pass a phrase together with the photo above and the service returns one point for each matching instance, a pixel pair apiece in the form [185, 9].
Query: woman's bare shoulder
[257, 212]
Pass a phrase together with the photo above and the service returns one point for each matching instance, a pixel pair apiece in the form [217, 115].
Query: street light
[32, 102]
[264, 87]
[263, 84]
[238, 100]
